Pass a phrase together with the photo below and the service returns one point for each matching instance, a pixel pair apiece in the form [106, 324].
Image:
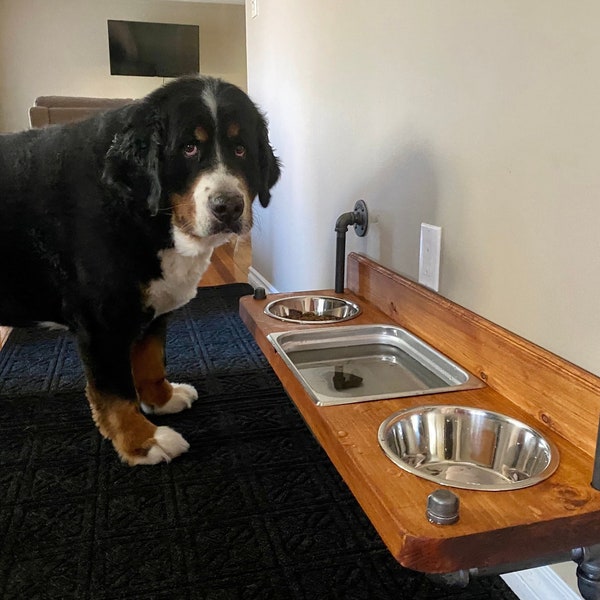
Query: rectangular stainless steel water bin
[341, 365]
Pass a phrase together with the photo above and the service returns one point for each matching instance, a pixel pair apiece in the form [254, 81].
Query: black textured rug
[253, 510]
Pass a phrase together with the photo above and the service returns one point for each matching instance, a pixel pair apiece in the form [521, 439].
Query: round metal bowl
[312, 309]
[467, 448]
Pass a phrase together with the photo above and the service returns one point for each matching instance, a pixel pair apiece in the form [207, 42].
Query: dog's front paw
[181, 398]
[166, 444]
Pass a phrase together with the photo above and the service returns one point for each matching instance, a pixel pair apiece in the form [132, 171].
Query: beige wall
[480, 117]
[61, 47]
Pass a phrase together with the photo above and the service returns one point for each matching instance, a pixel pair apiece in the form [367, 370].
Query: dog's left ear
[269, 164]
[132, 163]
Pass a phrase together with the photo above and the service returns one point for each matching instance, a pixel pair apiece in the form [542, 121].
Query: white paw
[168, 445]
[182, 398]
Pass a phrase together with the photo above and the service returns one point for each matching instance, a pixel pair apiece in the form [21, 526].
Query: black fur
[85, 210]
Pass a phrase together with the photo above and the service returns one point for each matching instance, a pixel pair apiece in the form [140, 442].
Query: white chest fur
[182, 267]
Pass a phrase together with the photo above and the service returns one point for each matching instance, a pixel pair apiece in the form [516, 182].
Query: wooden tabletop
[495, 528]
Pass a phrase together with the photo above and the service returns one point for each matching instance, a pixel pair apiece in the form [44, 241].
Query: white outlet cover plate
[429, 256]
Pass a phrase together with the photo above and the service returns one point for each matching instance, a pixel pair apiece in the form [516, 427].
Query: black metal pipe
[340, 259]
[359, 219]
[596, 473]
[464, 577]
[341, 226]
[586, 557]
[588, 571]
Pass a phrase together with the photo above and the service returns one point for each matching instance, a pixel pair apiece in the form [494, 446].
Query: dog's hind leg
[115, 407]
[156, 394]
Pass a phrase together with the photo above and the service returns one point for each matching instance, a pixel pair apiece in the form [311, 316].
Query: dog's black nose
[227, 207]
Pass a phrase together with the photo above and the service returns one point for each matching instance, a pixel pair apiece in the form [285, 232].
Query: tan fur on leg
[148, 366]
[136, 440]
[155, 393]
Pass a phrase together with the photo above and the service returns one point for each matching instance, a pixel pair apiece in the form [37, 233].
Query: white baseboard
[255, 279]
[541, 583]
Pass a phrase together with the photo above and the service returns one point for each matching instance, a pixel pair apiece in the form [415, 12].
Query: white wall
[61, 47]
[480, 117]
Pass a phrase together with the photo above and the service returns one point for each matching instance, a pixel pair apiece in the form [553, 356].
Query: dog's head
[198, 148]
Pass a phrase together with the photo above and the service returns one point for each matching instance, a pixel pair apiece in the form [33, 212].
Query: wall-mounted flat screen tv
[153, 49]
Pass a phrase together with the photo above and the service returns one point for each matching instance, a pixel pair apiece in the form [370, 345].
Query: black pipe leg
[360, 220]
[596, 472]
[588, 571]
[340, 260]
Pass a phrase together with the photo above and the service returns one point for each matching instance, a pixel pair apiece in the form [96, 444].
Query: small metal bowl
[312, 309]
[467, 448]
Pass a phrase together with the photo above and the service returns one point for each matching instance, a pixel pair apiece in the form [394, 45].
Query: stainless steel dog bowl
[356, 363]
[467, 448]
[312, 309]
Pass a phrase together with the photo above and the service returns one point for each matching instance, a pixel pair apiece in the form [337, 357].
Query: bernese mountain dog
[107, 225]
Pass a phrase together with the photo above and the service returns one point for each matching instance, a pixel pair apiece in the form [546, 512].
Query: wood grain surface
[524, 382]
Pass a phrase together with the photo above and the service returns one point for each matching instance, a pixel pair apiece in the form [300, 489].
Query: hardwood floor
[229, 264]
[4, 333]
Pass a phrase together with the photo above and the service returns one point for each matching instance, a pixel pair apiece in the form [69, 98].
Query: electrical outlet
[254, 8]
[429, 256]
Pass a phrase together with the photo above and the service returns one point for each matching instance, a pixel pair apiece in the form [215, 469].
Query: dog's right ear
[132, 163]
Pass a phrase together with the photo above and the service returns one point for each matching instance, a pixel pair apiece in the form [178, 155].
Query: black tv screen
[153, 49]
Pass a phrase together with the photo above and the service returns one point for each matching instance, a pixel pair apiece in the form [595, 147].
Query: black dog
[107, 225]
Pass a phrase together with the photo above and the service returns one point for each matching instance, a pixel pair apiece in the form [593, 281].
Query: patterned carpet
[253, 511]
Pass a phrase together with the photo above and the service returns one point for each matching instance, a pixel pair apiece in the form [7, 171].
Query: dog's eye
[190, 150]
[240, 151]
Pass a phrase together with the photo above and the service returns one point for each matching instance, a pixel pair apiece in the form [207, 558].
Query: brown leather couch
[51, 110]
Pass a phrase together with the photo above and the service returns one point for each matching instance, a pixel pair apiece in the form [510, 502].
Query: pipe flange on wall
[361, 218]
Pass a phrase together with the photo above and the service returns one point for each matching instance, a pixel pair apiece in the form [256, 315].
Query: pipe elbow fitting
[344, 221]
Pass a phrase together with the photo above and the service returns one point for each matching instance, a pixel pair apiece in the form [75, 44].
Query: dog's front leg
[115, 407]
[155, 393]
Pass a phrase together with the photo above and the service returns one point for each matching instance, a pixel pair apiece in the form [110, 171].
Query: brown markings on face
[120, 421]
[233, 130]
[148, 366]
[184, 210]
[200, 134]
